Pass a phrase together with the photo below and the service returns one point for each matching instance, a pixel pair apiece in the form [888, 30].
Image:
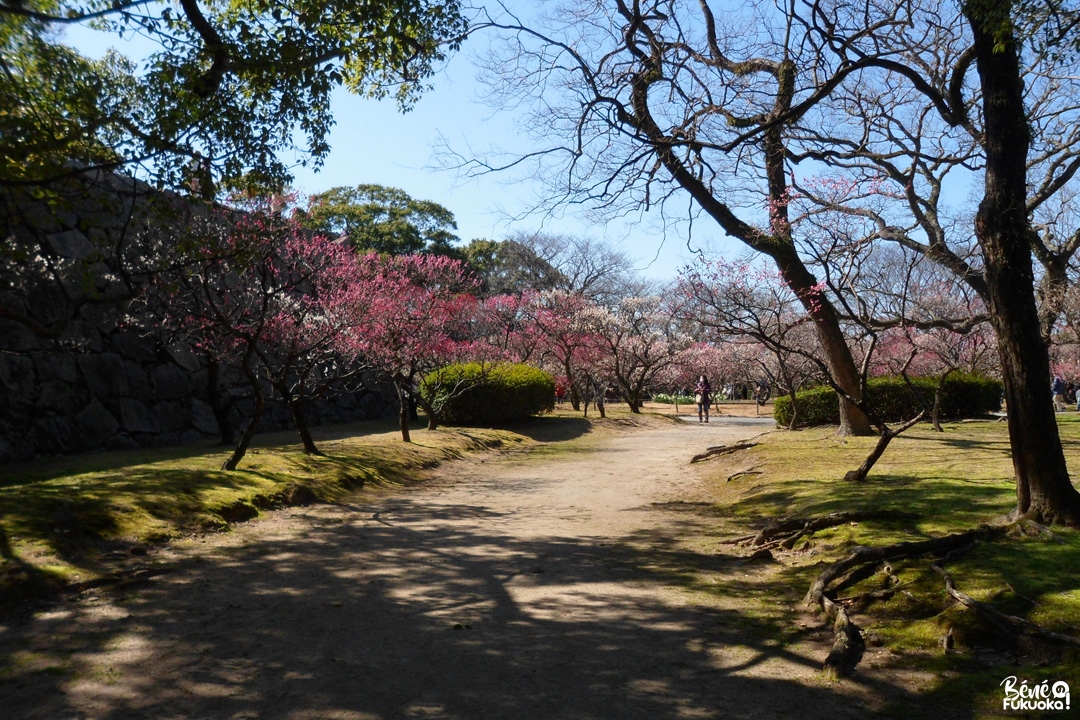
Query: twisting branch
[848, 645]
[1001, 620]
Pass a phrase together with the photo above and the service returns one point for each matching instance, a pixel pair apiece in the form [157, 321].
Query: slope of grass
[61, 519]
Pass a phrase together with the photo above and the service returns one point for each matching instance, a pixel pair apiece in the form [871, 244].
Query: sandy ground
[524, 586]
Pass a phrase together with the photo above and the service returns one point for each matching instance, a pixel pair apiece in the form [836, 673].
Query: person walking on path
[1057, 389]
[703, 398]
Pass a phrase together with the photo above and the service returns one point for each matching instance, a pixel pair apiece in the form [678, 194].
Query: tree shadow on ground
[39, 470]
[921, 497]
[550, 429]
[401, 610]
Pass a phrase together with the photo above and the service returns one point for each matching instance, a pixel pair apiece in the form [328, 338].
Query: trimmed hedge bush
[474, 394]
[963, 396]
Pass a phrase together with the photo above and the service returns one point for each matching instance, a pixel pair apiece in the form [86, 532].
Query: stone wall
[72, 376]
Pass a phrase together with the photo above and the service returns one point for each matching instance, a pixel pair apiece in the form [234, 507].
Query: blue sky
[372, 142]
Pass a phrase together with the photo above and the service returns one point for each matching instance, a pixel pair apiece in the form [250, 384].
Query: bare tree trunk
[575, 396]
[1043, 486]
[403, 412]
[256, 414]
[429, 410]
[221, 408]
[296, 411]
[935, 415]
[838, 358]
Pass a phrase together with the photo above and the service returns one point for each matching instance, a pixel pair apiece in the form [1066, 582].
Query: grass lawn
[948, 482]
[63, 519]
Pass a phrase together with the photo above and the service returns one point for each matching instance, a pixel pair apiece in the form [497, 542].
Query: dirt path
[538, 586]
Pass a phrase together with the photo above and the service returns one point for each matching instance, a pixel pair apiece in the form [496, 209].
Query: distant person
[1057, 389]
[703, 398]
[761, 396]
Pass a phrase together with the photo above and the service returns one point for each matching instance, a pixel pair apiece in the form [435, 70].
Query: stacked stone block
[73, 378]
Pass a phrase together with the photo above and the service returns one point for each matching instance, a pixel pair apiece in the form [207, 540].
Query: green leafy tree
[226, 86]
[510, 267]
[385, 220]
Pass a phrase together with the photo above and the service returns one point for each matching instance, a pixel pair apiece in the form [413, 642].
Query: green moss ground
[950, 482]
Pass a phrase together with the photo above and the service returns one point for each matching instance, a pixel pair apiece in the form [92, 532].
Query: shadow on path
[413, 609]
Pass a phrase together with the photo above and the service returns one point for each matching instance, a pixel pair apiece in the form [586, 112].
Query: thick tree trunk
[429, 410]
[219, 406]
[777, 242]
[1002, 228]
[403, 412]
[296, 412]
[256, 414]
[575, 396]
[838, 358]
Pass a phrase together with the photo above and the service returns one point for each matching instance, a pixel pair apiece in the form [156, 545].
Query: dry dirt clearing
[538, 584]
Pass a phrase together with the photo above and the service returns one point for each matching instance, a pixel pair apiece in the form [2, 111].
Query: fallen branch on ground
[744, 473]
[738, 540]
[718, 450]
[848, 645]
[1000, 619]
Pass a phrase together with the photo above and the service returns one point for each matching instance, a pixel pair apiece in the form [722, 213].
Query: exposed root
[748, 472]
[848, 645]
[739, 540]
[866, 597]
[787, 531]
[1001, 620]
[718, 450]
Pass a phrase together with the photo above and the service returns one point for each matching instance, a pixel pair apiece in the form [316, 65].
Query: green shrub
[475, 394]
[963, 396]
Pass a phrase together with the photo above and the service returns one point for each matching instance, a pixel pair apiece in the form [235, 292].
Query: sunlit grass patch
[944, 483]
[58, 516]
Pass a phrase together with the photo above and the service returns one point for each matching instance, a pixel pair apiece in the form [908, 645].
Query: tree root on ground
[787, 531]
[718, 450]
[848, 645]
[1001, 620]
[739, 474]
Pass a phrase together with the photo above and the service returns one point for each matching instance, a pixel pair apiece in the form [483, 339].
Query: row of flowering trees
[302, 315]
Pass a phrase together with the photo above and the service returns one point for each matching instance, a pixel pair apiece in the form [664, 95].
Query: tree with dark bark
[259, 293]
[940, 51]
[665, 103]
[417, 318]
[740, 300]
[1043, 487]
